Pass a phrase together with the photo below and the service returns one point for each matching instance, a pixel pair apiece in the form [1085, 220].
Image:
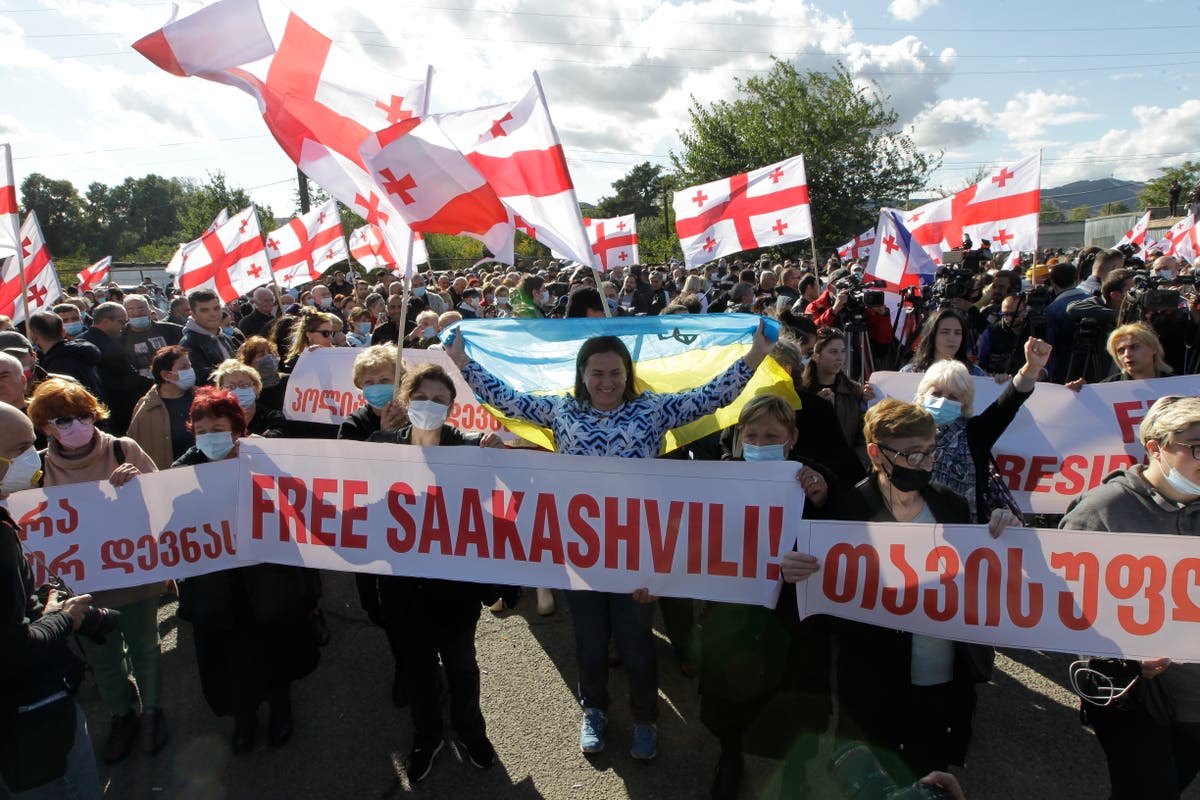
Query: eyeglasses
[915, 458]
[66, 422]
[326, 334]
[1194, 447]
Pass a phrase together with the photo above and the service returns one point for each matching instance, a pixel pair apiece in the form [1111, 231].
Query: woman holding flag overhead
[608, 416]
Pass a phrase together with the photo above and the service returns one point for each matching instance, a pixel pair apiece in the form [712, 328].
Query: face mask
[419, 291]
[228, 330]
[187, 379]
[491, 298]
[427, 414]
[908, 479]
[309, 303]
[268, 370]
[763, 452]
[428, 333]
[502, 301]
[1179, 482]
[364, 327]
[943, 409]
[245, 396]
[79, 434]
[326, 302]
[73, 328]
[1165, 274]
[139, 323]
[23, 471]
[545, 300]
[215, 445]
[379, 394]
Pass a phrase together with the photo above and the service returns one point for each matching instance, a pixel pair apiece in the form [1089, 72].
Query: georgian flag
[94, 276]
[319, 103]
[898, 258]
[858, 247]
[1137, 235]
[176, 262]
[230, 260]
[10, 221]
[612, 242]
[759, 208]
[369, 249]
[302, 250]
[1183, 240]
[41, 279]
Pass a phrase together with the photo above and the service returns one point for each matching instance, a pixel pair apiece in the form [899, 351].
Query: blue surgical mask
[245, 396]
[187, 379]
[228, 330]
[943, 409]
[139, 323]
[419, 291]
[215, 445]
[763, 452]
[364, 327]
[73, 328]
[1180, 482]
[378, 394]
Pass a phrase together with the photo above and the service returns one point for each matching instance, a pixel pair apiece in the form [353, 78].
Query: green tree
[205, 201]
[1155, 193]
[638, 193]
[854, 159]
[59, 211]
[1117, 207]
[1050, 213]
[1080, 214]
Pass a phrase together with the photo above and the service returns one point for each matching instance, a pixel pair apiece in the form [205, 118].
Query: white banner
[321, 389]
[173, 524]
[1061, 442]
[1123, 595]
[711, 531]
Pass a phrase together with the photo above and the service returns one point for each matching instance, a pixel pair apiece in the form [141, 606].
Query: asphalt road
[350, 741]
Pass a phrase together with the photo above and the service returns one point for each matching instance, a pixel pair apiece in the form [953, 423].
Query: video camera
[1130, 252]
[863, 294]
[1148, 294]
[954, 280]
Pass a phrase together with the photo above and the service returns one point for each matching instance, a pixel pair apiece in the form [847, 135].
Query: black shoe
[156, 731]
[480, 752]
[400, 697]
[420, 761]
[279, 725]
[121, 737]
[728, 779]
[245, 727]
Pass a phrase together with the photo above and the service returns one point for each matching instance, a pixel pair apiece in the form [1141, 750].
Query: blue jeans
[598, 615]
[81, 781]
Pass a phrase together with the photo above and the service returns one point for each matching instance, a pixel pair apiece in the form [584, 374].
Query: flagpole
[270, 266]
[406, 282]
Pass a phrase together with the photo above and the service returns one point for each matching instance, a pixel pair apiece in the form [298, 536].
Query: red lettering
[1185, 575]
[352, 512]
[1083, 567]
[903, 600]
[662, 546]
[976, 562]
[944, 561]
[1038, 470]
[750, 542]
[398, 492]
[842, 564]
[321, 511]
[1013, 593]
[260, 504]
[291, 509]
[616, 532]
[472, 532]
[148, 557]
[1010, 468]
[695, 543]
[212, 548]
[547, 535]
[1128, 419]
[168, 552]
[115, 554]
[1122, 461]
[1124, 579]
[1072, 482]
[191, 549]
[504, 525]
[587, 555]
[716, 532]
[435, 525]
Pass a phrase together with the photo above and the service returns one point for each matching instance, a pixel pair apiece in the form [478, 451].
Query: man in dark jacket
[44, 743]
[143, 337]
[77, 359]
[207, 346]
[122, 384]
[258, 320]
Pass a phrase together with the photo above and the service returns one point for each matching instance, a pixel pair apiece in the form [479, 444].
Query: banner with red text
[1061, 443]
[1125, 595]
[173, 524]
[711, 531]
[321, 389]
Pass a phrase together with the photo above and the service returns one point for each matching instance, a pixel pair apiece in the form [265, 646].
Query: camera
[953, 283]
[859, 776]
[97, 622]
[1130, 251]
[862, 295]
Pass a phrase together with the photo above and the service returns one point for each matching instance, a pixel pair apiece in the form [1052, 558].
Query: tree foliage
[60, 212]
[1080, 214]
[1116, 207]
[639, 193]
[1156, 192]
[1050, 213]
[855, 161]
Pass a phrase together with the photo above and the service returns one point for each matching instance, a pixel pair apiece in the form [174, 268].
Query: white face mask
[1179, 482]
[427, 415]
[187, 379]
[23, 471]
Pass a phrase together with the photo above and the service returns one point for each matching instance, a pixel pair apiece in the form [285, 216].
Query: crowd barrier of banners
[711, 531]
[321, 389]
[1062, 443]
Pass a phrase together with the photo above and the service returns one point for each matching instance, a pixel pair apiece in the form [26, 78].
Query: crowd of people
[110, 384]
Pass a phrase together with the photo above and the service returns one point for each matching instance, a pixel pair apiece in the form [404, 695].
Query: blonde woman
[313, 331]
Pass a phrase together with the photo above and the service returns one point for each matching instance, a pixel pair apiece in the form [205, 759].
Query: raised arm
[498, 394]
[680, 408]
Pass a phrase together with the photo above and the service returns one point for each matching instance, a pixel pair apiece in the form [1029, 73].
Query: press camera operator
[856, 307]
[1168, 303]
[1001, 348]
[1094, 319]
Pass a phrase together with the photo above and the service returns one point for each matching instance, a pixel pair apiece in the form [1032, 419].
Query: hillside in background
[1093, 194]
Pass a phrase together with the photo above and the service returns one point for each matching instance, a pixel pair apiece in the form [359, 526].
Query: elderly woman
[244, 383]
[425, 332]
[159, 422]
[252, 625]
[910, 697]
[1151, 737]
[129, 658]
[947, 392]
[943, 338]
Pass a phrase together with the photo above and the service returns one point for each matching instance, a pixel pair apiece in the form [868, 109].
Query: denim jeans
[597, 615]
[130, 651]
[81, 781]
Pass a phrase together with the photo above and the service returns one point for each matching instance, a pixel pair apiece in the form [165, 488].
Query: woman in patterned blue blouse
[607, 416]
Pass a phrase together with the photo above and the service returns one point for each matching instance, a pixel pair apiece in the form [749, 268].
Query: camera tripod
[860, 361]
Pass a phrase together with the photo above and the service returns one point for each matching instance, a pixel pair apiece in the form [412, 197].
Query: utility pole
[304, 199]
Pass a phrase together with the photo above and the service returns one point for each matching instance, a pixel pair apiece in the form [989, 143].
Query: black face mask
[907, 479]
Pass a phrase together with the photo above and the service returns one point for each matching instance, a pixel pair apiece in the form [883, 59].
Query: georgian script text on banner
[1062, 443]
[1123, 595]
[711, 531]
[321, 389]
[172, 524]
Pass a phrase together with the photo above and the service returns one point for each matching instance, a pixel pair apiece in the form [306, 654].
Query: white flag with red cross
[1003, 208]
[435, 188]
[318, 102]
[10, 222]
[858, 247]
[302, 250]
[231, 260]
[898, 258]
[176, 261]
[515, 146]
[1182, 240]
[94, 276]
[613, 242]
[370, 250]
[1137, 235]
[760, 208]
[41, 279]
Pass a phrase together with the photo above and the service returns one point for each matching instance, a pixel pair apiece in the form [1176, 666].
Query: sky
[1103, 88]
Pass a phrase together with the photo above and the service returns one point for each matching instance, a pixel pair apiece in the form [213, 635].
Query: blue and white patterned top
[634, 429]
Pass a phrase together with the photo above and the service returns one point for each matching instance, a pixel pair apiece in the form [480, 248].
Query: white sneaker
[545, 602]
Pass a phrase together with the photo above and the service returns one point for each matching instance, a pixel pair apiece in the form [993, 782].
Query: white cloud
[910, 9]
[1029, 114]
[953, 123]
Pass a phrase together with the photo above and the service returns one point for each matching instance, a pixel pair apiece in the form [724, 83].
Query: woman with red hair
[251, 625]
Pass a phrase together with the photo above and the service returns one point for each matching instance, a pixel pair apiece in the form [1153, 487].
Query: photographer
[1094, 318]
[1151, 735]
[45, 748]
[856, 307]
[1001, 347]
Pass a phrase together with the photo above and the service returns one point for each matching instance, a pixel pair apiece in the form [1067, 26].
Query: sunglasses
[66, 422]
[326, 334]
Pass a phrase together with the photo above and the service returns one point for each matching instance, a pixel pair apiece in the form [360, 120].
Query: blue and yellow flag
[671, 353]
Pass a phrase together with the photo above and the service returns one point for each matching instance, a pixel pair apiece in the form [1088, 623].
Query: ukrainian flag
[671, 353]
